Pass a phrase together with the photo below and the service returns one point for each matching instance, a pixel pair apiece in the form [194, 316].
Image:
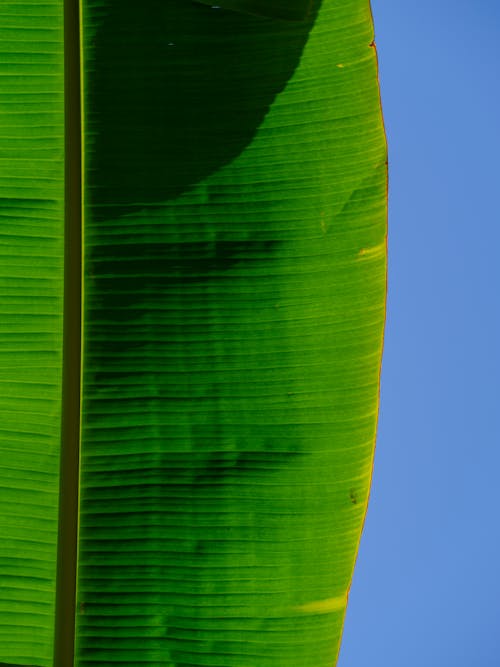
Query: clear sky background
[426, 589]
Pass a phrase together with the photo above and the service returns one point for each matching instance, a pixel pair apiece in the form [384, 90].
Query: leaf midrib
[64, 639]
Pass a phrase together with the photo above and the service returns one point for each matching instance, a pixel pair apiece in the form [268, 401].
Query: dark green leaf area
[292, 10]
[123, 280]
[181, 90]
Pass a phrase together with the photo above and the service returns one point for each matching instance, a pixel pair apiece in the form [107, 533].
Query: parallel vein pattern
[234, 306]
[31, 289]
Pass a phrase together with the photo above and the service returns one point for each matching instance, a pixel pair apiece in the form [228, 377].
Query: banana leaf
[189, 363]
[291, 10]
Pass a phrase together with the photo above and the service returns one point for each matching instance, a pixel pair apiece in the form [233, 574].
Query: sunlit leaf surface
[31, 263]
[234, 285]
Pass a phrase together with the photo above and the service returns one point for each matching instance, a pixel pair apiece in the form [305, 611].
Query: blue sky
[426, 589]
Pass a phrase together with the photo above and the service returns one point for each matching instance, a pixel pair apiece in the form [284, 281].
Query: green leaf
[234, 237]
[31, 303]
[291, 10]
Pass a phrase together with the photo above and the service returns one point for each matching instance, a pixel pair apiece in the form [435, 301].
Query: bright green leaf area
[234, 290]
[31, 290]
